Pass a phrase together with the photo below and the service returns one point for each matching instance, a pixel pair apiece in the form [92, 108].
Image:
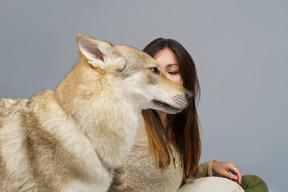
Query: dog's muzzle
[189, 96]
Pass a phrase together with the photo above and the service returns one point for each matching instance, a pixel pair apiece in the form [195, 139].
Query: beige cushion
[211, 184]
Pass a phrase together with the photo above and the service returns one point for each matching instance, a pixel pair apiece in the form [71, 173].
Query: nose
[189, 96]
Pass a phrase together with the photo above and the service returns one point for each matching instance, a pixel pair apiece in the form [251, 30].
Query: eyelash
[173, 73]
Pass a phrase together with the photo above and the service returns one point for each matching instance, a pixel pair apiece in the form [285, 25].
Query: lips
[166, 105]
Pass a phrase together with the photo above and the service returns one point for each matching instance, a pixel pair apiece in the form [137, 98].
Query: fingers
[232, 176]
[228, 170]
[234, 173]
[237, 172]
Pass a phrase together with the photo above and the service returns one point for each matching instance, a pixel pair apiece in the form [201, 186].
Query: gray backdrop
[240, 49]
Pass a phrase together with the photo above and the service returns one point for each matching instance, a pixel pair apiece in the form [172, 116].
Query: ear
[99, 53]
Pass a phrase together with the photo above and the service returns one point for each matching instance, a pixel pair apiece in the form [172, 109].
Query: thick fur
[71, 138]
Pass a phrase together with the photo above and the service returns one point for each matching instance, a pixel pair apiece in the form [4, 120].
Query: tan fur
[70, 138]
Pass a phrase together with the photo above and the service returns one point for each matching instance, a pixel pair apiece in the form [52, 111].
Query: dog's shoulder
[41, 99]
[6, 104]
[36, 103]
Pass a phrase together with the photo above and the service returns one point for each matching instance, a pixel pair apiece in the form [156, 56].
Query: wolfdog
[72, 138]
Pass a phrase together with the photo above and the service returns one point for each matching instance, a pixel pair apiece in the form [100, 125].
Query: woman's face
[169, 64]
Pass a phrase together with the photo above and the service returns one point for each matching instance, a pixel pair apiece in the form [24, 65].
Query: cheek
[176, 78]
[179, 80]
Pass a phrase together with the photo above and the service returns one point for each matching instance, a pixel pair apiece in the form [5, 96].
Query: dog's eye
[155, 70]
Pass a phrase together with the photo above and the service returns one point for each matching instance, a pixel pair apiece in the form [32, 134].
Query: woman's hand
[228, 170]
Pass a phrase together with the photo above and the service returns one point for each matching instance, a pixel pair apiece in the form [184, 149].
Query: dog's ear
[99, 53]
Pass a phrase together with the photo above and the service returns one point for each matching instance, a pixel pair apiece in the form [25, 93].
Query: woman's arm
[205, 169]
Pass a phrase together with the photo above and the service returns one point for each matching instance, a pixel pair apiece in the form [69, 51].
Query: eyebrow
[172, 64]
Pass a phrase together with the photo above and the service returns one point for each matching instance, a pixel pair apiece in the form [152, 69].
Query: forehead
[166, 57]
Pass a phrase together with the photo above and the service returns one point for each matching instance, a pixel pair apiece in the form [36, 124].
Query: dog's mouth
[166, 106]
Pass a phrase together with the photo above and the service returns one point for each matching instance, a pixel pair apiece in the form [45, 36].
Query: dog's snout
[189, 96]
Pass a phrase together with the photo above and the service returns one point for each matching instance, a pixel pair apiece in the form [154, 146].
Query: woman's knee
[253, 183]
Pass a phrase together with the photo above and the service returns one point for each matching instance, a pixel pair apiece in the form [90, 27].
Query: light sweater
[141, 174]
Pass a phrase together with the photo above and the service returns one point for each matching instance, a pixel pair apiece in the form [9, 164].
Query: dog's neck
[103, 111]
[105, 129]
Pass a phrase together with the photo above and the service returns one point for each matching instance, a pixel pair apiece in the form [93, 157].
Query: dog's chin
[166, 107]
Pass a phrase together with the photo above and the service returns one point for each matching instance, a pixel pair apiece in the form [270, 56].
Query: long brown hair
[184, 125]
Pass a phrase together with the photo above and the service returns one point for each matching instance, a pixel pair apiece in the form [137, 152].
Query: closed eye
[155, 70]
[173, 73]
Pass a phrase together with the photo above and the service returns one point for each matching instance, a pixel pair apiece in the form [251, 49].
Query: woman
[167, 147]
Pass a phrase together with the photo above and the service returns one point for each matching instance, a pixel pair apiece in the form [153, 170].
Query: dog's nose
[189, 96]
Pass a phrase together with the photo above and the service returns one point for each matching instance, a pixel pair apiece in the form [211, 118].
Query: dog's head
[138, 75]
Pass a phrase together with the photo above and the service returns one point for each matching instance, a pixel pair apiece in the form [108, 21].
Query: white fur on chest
[99, 139]
[110, 127]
